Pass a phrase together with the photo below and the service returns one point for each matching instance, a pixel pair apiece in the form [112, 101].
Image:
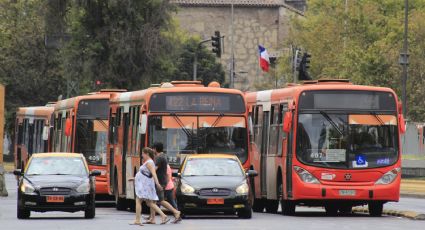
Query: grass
[412, 157]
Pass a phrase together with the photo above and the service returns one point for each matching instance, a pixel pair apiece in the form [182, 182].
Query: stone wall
[252, 26]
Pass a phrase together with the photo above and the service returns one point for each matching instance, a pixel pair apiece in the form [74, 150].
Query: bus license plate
[55, 199]
[347, 192]
[215, 201]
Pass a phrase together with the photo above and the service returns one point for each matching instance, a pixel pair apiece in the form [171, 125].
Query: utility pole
[232, 61]
[195, 58]
[404, 58]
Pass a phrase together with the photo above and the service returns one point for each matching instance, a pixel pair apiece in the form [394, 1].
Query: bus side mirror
[143, 123]
[46, 129]
[401, 124]
[68, 127]
[287, 123]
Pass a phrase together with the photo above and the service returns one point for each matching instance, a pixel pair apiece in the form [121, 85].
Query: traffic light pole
[195, 58]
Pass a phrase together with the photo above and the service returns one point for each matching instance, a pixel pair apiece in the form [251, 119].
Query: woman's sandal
[149, 222]
[136, 223]
[165, 221]
[177, 218]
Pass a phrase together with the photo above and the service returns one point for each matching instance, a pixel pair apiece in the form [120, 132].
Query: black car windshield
[347, 140]
[212, 167]
[57, 166]
[182, 135]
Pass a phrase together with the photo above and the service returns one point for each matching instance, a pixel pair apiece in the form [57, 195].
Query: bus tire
[272, 206]
[120, 203]
[288, 207]
[375, 208]
[331, 209]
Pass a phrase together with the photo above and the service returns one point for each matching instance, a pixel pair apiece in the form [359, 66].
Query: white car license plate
[347, 192]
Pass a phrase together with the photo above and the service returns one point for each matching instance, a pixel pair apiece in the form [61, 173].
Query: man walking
[161, 163]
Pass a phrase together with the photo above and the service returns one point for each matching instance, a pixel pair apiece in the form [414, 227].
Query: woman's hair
[149, 151]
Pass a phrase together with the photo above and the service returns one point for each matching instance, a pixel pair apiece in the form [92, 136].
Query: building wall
[252, 26]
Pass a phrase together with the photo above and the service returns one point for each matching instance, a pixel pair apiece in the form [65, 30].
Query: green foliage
[362, 43]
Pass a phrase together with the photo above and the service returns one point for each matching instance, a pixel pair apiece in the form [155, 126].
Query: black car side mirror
[252, 173]
[95, 173]
[17, 172]
[178, 175]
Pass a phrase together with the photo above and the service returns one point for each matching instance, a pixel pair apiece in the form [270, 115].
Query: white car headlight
[388, 177]
[84, 188]
[242, 189]
[305, 176]
[187, 189]
[27, 188]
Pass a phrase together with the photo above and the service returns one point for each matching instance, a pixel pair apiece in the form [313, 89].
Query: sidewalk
[8, 166]
[412, 188]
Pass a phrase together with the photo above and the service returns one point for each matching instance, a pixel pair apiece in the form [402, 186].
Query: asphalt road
[108, 218]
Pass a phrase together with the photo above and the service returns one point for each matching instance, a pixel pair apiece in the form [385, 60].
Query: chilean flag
[264, 59]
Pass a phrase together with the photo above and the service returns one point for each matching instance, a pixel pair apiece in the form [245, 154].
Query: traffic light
[216, 43]
[304, 66]
[297, 60]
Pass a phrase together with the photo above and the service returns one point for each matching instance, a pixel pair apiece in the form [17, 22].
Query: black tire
[272, 206]
[375, 209]
[120, 203]
[258, 205]
[331, 210]
[345, 209]
[22, 213]
[90, 212]
[288, 207]
[245, 213]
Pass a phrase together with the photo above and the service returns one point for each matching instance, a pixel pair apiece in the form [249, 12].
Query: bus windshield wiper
[185, 130]
[377, 118]
[325, 115]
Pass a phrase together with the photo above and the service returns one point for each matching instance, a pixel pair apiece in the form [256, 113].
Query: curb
[389, 212]
[413, 195]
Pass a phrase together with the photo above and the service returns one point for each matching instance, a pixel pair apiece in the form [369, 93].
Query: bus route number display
[197, 102]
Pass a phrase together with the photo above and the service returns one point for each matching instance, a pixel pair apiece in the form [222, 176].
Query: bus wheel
[258, 205]
[288, 207]
[120, 203]
[345, 209]
[272, 206]
[331, 210]
[375, 208]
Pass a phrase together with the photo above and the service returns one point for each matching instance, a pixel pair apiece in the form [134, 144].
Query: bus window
[274, 130]
[282, 135]
[258, 125]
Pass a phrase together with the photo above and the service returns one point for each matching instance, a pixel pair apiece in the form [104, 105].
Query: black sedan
[56, 182]
[214, 183]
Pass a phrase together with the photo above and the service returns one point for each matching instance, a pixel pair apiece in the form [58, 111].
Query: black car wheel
[245, 213]
[90, 211]
[345, 209]
[258, 205]
[375, 208]
[21, 212]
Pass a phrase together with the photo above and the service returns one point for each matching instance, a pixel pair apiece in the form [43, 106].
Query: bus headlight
[388, 177]
[27, 188]
[242, 189]
[84, 188]
[305, 176]
[187, 189]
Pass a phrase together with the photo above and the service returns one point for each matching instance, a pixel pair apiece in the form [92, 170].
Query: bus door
[289, 156]
[264, 149]
[112, 141]
[124, 149]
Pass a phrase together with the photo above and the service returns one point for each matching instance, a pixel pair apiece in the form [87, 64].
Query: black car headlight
[242, 189]
[27, 188]
[84, 188]
[187, 189]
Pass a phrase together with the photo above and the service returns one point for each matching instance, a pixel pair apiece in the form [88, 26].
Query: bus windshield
[91, 140]
[336, 140]
[199, 134]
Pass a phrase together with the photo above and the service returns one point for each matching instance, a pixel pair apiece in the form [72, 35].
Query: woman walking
[145, 182]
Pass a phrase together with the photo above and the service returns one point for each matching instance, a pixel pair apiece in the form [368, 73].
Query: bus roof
[296, 89]
[73, 101]
[35, 111]
[173, 87]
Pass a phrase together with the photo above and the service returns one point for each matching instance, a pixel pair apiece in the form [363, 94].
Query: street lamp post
[232, 64]
[404, 58]
[195, 58]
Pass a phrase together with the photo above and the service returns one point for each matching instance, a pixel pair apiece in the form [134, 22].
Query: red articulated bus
[326, 143]
[184, 116]
[32, 132]
[81, 126]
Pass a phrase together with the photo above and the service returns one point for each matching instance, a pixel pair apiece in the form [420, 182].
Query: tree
[362, 42]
